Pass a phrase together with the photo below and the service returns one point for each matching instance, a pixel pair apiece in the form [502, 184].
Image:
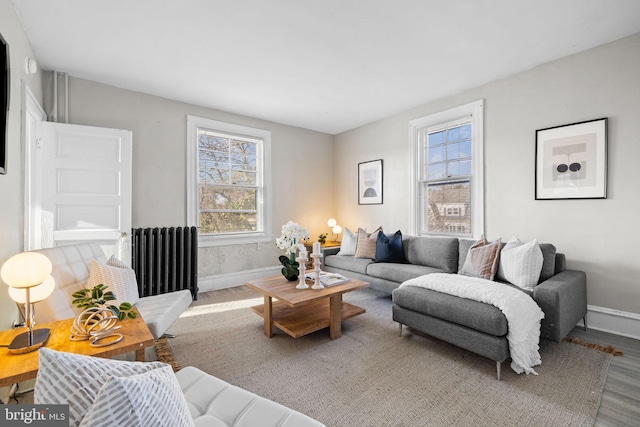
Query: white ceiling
[325, 65]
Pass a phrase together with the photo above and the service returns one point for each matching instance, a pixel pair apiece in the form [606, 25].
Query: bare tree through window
[228, 182]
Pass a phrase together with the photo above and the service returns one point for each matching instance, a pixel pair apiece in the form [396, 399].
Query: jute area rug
[372, 377]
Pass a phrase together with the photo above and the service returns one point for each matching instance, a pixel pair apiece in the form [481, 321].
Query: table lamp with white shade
[336, 232]
[29, 278]
[335, 228]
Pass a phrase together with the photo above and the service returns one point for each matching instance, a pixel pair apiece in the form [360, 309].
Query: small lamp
[29, 278]
[335, 228]
[336, 231]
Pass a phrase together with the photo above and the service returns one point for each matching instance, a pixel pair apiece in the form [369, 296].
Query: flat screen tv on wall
[4, 102]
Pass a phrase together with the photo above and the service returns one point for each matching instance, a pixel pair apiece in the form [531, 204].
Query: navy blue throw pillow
[389, 249]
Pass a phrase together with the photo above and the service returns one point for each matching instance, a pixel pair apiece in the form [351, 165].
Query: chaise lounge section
[475, 326]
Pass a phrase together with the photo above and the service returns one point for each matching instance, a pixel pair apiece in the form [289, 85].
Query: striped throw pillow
[73, 379]
[153, 398]
[366, 247]
[521, 263]
[482, 259]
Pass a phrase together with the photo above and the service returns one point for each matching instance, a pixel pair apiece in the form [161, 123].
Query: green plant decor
[99, 297]
[289, 267]
[322, 238]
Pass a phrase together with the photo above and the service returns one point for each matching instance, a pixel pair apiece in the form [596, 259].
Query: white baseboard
[229, 280]
[616, 322]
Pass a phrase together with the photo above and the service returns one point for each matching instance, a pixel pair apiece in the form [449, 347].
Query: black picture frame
[571, 161]
[5, 87]
[370, 182]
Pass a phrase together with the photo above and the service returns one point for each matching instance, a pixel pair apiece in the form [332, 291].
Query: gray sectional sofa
[475, 326]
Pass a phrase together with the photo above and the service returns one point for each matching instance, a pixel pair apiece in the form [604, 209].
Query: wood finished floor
[620, 404]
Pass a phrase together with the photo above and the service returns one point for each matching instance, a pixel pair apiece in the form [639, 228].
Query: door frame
[32, 117]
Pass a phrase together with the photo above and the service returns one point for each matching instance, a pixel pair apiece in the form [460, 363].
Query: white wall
[601, 237]
[302, 169]
[11, 192]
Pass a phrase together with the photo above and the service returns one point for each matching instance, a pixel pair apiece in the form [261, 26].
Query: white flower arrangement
[293, 236]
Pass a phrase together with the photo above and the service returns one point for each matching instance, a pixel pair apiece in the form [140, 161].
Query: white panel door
[86, 186]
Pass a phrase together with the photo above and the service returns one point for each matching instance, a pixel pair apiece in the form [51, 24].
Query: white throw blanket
[522, 313]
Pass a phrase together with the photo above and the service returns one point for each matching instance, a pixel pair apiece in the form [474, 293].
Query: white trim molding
[32, 117]
[475, 110]
[264, 234]
[615, 322]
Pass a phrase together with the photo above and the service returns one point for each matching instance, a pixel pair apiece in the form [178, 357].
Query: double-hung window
[447, 173]
[228, 183]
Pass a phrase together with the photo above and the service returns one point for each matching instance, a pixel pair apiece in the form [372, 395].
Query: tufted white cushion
[349, 242]
[160, 311]
[520, 263]
[215, 403]
[153, 398]
[71, 266]
[121, 281]
[66, 378]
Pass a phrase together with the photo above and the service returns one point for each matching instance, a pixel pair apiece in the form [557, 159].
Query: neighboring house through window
[228, 182]
[447, 172]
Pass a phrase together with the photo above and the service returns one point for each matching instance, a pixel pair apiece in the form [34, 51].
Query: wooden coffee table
[15, 368]
[299, 312]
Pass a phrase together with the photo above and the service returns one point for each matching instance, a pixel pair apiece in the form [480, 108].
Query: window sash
[444, 165]
[438, 220]
[255, 166]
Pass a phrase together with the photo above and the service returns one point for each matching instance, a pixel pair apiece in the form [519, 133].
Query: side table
[15, 368]
[327, 245]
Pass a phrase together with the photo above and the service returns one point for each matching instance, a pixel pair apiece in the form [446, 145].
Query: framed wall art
[571, 161]
[370, 183]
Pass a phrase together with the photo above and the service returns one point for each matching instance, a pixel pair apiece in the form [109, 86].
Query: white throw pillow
[115, 262]
[153, 398]
[73, 379]
[520, 263]
[348, 245]
[121, 281]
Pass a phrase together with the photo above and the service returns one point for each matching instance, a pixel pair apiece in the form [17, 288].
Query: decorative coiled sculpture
[96, 324]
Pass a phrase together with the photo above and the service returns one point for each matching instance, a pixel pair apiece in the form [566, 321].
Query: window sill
[205, 241]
